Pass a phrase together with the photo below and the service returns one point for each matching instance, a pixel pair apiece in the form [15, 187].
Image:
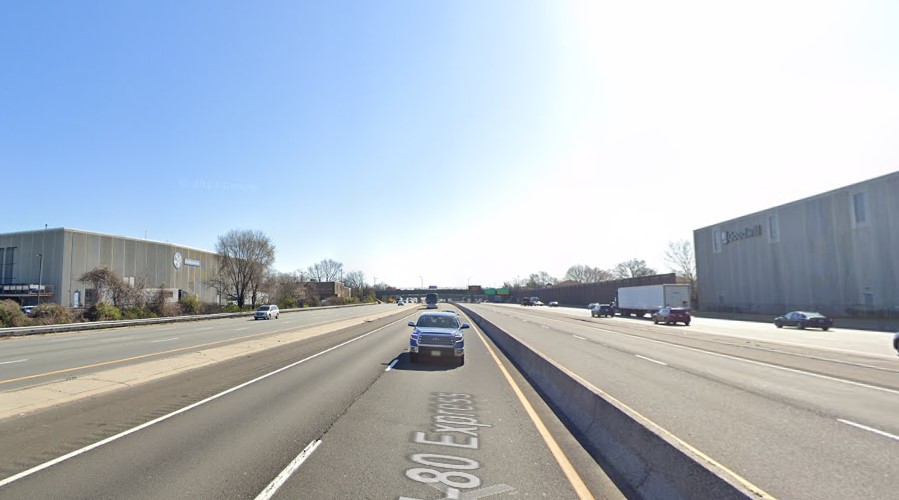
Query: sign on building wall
[749, 232]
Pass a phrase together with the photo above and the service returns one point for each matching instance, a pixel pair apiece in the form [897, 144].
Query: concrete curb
[651, 461]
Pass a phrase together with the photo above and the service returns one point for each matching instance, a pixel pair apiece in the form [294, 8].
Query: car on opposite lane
[267, 312]
[438, 335]
[804, 319]
[602, 310]
[671, 316]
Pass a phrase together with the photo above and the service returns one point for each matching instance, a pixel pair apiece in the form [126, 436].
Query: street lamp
[422, 283]
[40, 278]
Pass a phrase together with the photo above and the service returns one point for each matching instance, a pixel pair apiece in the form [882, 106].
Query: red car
[671, 316]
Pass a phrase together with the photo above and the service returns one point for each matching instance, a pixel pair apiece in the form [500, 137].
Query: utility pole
[40, 278]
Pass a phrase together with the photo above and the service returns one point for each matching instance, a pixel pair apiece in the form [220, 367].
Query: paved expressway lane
[38, 359]
[333, 416]
[799, 419]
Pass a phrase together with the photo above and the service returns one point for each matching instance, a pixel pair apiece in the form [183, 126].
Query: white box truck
[647, 299]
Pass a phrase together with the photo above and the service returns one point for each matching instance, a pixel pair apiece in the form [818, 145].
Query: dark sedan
[671, 316]
[804, 319]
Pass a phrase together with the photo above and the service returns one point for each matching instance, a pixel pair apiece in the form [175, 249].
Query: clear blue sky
[452, 142]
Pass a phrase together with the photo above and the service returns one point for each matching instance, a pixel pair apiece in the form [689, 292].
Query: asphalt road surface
[800, 414]
[337, 415]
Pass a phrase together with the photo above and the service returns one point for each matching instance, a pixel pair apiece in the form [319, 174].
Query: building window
[773, 229]
[859, 209]
[716, 240]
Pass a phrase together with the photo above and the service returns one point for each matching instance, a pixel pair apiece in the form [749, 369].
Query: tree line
[679, 256]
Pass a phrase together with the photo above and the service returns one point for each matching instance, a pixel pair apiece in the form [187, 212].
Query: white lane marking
[164, 340]
[869, 429]
[116, 339]
[11, 362]
[651, 360]
[288, 471]
[175, 413]
[544, 326]
[241, 329]
[645, 422]
[392, 364]
[767, 365]
[579, 337]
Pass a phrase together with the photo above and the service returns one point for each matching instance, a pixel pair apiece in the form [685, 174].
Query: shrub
[11, 314]
[137, 313]
[168, 309]
[210, 308]
[104, 312]
[52, 314]
[287, 303]
[190, 304]
[232, 308]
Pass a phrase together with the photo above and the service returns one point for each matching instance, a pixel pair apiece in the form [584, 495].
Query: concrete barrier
[651, 462]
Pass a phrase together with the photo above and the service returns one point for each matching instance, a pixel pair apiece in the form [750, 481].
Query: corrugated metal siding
[823, 261]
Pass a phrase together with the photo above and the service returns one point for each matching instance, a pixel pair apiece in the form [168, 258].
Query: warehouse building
[47, 264]
[835, 253]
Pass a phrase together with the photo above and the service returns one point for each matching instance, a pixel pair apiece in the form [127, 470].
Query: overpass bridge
[456, 294]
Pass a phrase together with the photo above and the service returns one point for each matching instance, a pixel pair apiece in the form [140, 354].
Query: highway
[800, 414]
[339, 414]
[38, 359]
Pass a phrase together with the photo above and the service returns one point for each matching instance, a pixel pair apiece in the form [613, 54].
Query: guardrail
[99, 325]
[644, 458]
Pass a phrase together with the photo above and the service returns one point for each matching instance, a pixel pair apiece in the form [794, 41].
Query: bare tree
[540, 280]
[632, 269]
[243, 257]
[682, 261]
[326, 270]
[586, 274]
[356, 281]
[109, 285]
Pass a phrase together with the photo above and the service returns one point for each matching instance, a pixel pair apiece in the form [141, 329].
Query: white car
[400, 303]
[266, 312]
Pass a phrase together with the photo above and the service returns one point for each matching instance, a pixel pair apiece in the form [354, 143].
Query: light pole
[40, 278]
[422, 283]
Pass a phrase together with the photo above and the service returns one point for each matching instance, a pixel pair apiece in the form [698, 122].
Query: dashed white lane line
[116, 339]
[11, 362]
[869, 429]
[651, 360]
[164, 340]
[110, 439]
[288, 471]
[579, 337]
[392, 364]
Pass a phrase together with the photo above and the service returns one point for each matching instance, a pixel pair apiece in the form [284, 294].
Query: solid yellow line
[758, 492]
[576, 482]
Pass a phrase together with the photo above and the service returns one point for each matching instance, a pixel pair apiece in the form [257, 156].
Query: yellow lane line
[573, 477]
